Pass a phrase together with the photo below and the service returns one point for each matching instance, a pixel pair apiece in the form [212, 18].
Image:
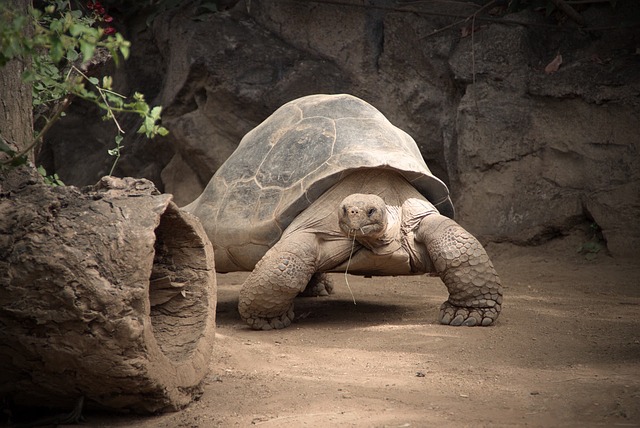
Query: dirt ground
[565, 352]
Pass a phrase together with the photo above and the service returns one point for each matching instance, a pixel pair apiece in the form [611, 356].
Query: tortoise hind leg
[475, 292]
[266, 297]
[319, 285]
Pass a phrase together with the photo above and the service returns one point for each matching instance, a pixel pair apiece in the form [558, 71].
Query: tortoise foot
[319, 285]
[468, 316]
[270, 323]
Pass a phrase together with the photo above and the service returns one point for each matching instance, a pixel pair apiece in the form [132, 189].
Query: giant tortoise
[328, 182]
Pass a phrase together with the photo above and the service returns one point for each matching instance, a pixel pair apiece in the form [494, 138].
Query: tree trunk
[107, 293]
[16, 118]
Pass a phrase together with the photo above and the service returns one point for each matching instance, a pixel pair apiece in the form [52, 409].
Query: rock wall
[528, 155]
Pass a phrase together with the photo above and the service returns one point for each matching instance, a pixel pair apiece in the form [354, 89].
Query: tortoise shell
[284, 164]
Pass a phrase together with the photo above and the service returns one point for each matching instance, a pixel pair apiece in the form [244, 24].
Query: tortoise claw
[263, 323]
[466, 316]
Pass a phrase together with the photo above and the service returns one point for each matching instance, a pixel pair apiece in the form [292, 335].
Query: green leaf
[56, 26]
[94, 81]
[28, 75]
[114, 99]
[57, 50]
[92, 35]
[115, 57]
[124, 50]
[87, 50]
[149, 123]
[155, 112]
[56, 180]
[76, 29]
[68, 21]
[72, 55]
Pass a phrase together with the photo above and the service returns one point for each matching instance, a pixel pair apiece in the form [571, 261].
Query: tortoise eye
[371, 212]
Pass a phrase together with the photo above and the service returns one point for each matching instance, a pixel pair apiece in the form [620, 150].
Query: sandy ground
[565, 352]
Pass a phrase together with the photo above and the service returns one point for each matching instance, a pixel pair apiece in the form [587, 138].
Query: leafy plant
[52, 179]
[596, 243]
[65, 44]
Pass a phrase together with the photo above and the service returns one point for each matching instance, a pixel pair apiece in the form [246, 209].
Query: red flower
[100, 14]
[94, 5]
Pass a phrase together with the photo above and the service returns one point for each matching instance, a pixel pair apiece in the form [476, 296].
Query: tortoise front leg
[475, 292]
[266, 297]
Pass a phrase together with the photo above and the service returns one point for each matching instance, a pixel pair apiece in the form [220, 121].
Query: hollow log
[106, 293]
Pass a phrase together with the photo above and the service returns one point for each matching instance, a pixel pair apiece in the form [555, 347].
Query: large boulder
[538, 153]
[532, 169]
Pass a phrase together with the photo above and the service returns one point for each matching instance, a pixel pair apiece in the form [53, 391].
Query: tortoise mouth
[372, 230]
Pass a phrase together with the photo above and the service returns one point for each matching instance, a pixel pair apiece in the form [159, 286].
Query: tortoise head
[363, 216]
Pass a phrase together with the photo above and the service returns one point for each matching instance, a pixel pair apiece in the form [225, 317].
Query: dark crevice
[374, 33]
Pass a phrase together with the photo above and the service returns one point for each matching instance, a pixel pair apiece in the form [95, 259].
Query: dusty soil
[565, 352]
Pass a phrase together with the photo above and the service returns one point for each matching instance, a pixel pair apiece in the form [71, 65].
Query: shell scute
[304, 147]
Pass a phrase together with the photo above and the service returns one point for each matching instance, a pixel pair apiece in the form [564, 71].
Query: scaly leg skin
[266, 297]
[475, 292]
[319, 285]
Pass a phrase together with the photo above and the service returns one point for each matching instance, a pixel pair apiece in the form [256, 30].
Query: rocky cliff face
[528, 154]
